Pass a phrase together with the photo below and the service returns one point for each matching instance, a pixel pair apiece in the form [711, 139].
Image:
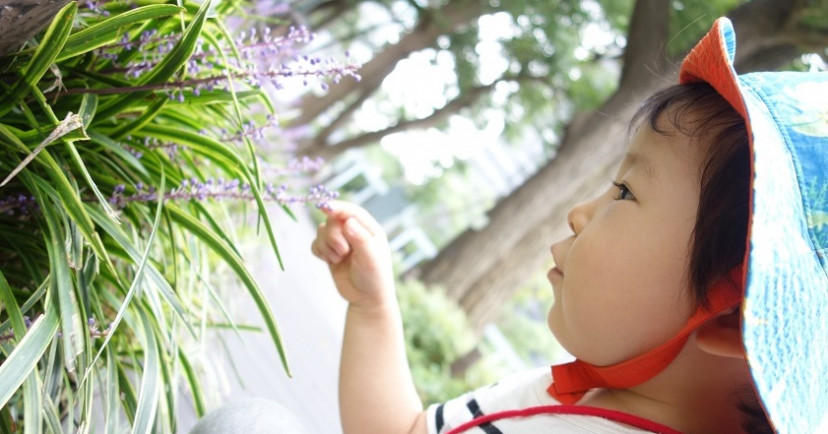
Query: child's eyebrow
[643, 162]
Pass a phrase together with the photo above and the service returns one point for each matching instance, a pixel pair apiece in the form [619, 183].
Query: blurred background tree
[566, 73]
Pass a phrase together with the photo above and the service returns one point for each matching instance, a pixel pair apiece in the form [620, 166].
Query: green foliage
[691, 19]
[523, 322]
[113, 286]
[437, 333]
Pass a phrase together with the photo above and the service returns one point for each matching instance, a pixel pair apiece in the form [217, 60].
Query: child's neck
[695, 394]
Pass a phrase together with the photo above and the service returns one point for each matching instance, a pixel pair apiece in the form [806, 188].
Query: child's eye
[624, 192]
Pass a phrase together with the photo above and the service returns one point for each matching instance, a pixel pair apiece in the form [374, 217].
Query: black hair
[720, 234]
[719, 241]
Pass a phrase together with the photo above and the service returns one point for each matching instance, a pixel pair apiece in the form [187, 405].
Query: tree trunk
[482, 269]
[22, 19]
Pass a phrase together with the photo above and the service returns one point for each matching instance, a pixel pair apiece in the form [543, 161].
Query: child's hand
[355, 247]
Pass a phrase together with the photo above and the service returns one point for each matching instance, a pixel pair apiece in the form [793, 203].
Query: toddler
[691, 291]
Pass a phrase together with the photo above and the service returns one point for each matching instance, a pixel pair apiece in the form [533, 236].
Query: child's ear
[722, 335]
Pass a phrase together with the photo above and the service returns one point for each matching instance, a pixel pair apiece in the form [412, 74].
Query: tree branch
[322, 149]
[424, 35]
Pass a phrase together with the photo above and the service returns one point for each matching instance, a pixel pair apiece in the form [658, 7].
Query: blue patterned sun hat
[785, 311]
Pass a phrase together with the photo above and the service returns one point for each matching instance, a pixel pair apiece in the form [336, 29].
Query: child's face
[620, 281]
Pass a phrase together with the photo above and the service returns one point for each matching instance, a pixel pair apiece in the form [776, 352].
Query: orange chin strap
[571, 381]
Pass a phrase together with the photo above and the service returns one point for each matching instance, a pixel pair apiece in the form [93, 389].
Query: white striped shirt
[518, 391]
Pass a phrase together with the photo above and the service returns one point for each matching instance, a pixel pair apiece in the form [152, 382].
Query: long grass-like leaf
[51, 415]
[71, 122]
[136, 281]
[150, 380]
[34, 298]
[24, 357]
[88, 107]
[171, 63]
[88, 104]
[111, 393]
[32, 411]
[223, 155]
[128, 159]
[192, 380]
[256, 178]
[220, 247]
[216, 151]
[136, 257]
[31, 386]
[169, 374]
[50, 46]
[68, 197]
[107, 31]
[147, 116]
[62, 286]
[129, 399]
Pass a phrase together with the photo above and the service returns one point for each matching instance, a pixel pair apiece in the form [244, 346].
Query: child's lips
[555, 273]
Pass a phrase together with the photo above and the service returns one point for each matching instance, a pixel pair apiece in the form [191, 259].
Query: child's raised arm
[376, 392]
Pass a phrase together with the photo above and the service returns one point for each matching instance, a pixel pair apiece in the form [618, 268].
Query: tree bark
[22, 19]
[482, 269]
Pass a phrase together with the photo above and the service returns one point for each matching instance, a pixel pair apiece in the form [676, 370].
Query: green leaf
[51, 414]
[130, 401]
[48, 50]
[171, 63]
[150, 379]
[69, 199]
[224, 156]
[32, 404]
[31, 386]
[146, 117]
[237, 264]
[216, 151]
[128, 160]
[138, 279]
[62, 286]
[111, 393]
[89, 104]
[155, 276]
[23, 359]
[195, 386]
[109, 30]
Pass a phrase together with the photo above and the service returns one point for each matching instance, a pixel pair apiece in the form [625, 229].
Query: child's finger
[320, 246]
[331, 243]
[336, 245]
[342, 211]
[316, 252]
[356, 233]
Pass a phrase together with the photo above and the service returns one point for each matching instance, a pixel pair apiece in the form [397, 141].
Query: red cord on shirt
[612, 415]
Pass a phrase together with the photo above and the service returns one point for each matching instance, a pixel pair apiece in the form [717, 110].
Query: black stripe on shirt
[438, 418]
[487, 427]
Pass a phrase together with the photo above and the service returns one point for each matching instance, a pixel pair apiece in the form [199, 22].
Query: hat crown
[798, 103]
[785, 326]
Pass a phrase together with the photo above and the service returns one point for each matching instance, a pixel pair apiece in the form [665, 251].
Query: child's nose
[578, 217]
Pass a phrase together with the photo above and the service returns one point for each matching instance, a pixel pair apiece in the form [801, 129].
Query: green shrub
[437, 333]
[124, 133]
